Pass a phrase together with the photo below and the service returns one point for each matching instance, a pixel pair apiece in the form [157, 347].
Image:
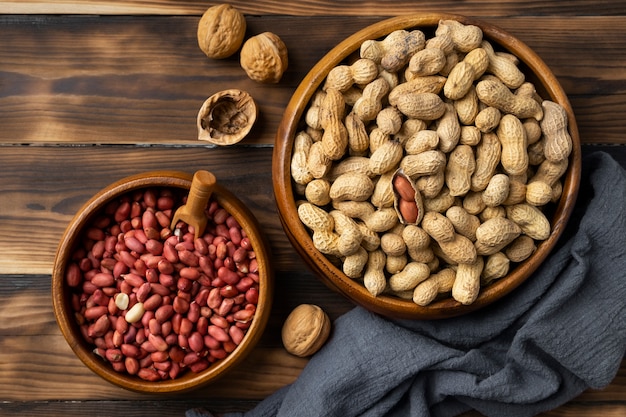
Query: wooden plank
[133, 80]
[26, 307]
[39, 193]
[39, 197]
[141, 80]
[133, 408]
[35, 360]
[36, 363]
[43, 368]
[177, 408]
[65, 378]
[313, 7]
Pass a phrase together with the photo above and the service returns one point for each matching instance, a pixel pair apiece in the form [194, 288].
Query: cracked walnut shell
[221, 31]
[306, 330]
[264, 58]
[226, 117]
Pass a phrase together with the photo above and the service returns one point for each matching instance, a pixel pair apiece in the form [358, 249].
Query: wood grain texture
[40, 379]
[26, 306]
[312, 7]
[142, 79]
[176, 408]
[30, 341]
[91, 91]
[35, 360]
[41, 196]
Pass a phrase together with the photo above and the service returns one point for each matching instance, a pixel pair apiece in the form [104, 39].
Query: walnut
[221, 31]
[226, 117]
[264, 58]
[306, 329]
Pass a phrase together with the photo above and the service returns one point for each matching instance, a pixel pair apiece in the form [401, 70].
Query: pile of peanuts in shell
[156, 302]
[424, 166]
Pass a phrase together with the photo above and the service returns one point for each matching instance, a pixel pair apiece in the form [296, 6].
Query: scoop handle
[200, 191]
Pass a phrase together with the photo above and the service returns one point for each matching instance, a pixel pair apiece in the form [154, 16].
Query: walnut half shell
[226, 117]
[306, 330]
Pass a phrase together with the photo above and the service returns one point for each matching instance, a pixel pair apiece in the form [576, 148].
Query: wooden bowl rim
[190, 380]
[334, 278]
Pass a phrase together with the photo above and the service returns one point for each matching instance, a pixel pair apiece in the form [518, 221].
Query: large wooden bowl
[61, 293]
[535, 70]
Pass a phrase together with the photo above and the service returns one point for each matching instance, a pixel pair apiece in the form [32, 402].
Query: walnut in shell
[264, 58]
[306, 330]
[226, 117]
[221, 31]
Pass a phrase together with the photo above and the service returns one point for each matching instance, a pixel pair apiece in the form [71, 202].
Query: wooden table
[93, 91]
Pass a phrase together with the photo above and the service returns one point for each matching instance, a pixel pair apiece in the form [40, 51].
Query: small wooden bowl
[535, 70]
[61, 293]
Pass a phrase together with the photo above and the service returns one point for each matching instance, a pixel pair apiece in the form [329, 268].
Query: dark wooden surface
[92, 91]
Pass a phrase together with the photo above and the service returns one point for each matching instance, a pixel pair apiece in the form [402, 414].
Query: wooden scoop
[193, 212]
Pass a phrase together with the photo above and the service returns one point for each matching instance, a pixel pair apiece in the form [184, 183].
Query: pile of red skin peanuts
[156, 302]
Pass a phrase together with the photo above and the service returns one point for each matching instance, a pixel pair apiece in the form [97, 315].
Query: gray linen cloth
[561, 332]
